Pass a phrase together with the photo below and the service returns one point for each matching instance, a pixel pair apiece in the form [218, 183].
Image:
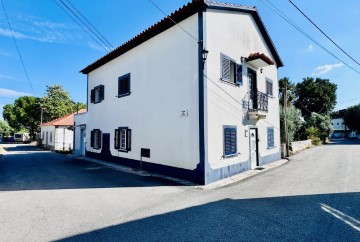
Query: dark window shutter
[230, 144]
[92, 138]
[99, 139]
[239, 74]
[270, 137]
[116, 139]
[92, 96]
[128, 143]
[102, 92]
[127, 85]
[225, 68]
[120, 90]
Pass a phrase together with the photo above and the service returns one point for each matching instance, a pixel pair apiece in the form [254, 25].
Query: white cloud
[7, 77]
[321, 70]
[310, 48]
[12, 94]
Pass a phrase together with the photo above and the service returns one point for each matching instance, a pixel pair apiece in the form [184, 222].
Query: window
[50, 137]
[269, 87]
[124, 85]
[95, 139]
[230, 141]
[270, 137]
[230, 71]
[122, 139]
[42, 135]
[97, 94]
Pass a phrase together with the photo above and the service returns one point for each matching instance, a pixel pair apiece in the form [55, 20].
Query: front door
[253, 148]
[82, 141]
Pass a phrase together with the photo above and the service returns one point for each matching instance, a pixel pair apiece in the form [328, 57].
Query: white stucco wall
[235, 35]
[164, 81]
[338, 124]
[63, 138]
[51, 132]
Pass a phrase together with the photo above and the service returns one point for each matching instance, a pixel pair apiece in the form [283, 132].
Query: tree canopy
[57, 103]
[23, 114]
[317, 96]
[5, 129]
[352, 118]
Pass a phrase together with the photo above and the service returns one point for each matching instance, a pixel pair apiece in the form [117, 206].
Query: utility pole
[41, 118]
[285, 121]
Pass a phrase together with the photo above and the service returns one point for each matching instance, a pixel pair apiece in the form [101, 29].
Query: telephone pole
[285, 121]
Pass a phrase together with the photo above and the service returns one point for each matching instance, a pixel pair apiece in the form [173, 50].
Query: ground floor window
[95, 139]
[230, 141]
[122, 139]
[270, 137]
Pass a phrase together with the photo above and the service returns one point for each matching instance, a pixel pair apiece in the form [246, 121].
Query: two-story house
[197, 100]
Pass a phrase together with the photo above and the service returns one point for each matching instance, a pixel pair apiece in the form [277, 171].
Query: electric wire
[17, 48]
[178, 25]
[82, 21]
[64, 10]
[287, 19]
[323, 32]
[91, 26]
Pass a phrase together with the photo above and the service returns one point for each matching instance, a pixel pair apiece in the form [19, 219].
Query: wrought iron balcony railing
[258, 102]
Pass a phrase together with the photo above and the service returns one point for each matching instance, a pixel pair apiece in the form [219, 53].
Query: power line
[17, 48]
[91, 25]
[283, 16]
[168, 16]
[107, 49]
[323, 32]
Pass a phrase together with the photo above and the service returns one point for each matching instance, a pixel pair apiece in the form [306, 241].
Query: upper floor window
[230, 71]
[230, 141]
[124, 85]
[95, 139]
[97, 94]
[269, 87]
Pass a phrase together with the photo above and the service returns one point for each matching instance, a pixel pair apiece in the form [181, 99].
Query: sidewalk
[224, 182]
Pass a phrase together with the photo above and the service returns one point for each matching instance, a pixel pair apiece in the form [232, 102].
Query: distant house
[80, 121]
[339, 127]
[58, 134]
[197, 102]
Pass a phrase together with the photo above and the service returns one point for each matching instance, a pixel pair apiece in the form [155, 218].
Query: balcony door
[252, 88]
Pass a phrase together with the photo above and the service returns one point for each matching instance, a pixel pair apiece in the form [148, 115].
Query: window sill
[230, 83]
[124, 151]
[230, 156]
[272, 147]
[123, 95]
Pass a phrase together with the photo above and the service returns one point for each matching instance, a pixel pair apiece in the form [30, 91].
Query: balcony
[257, 105]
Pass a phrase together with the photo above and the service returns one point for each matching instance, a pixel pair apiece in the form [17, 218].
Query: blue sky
[55, 49]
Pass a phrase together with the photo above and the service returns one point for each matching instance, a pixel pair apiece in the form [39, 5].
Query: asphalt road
[46, 197]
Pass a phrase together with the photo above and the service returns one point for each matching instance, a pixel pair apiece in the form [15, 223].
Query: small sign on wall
[184, 113]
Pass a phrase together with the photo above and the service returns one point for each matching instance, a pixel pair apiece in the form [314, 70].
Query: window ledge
[124, 151]
[230, 156]
[123, 95]
[272, 147]
[230, 83]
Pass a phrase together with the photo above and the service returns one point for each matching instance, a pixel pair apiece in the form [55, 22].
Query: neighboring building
[80, 121]
[58, 134]
[156, 103]
[340, 129]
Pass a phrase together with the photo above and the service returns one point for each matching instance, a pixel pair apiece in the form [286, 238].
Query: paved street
[46, 196]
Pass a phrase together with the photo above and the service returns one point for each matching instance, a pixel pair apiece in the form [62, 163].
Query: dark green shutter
[128, 143]
[92, 139]
[101, 92]
[100, 138]
[239, 74]
[116, 139]
[92, 96]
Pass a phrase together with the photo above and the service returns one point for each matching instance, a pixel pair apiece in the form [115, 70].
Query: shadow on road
[327, 217]
[344, 142]
[29, 168]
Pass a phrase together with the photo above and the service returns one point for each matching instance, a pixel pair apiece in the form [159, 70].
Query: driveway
[46, 196]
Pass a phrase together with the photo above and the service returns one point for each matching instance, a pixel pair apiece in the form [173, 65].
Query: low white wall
[300, 145]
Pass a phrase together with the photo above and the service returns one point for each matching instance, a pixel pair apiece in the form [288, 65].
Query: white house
[80, 121]
[339, 127]
[197, 100]
[58, 133]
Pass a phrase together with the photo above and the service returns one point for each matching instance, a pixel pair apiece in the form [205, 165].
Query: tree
[290, 90]
[5, 129]
[23, 114]
[294, 123]
[317, 96]
[352, 118]
[57, 103]
[319, 123]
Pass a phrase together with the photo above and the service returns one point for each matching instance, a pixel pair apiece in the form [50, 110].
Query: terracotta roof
[182, 13]
[254, 56]
[66, 120]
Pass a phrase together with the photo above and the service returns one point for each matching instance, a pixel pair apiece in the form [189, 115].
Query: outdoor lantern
[204, 55]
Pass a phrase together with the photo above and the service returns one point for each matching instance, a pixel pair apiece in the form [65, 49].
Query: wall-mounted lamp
[242, 58]
[261, 70]
[204, 55]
